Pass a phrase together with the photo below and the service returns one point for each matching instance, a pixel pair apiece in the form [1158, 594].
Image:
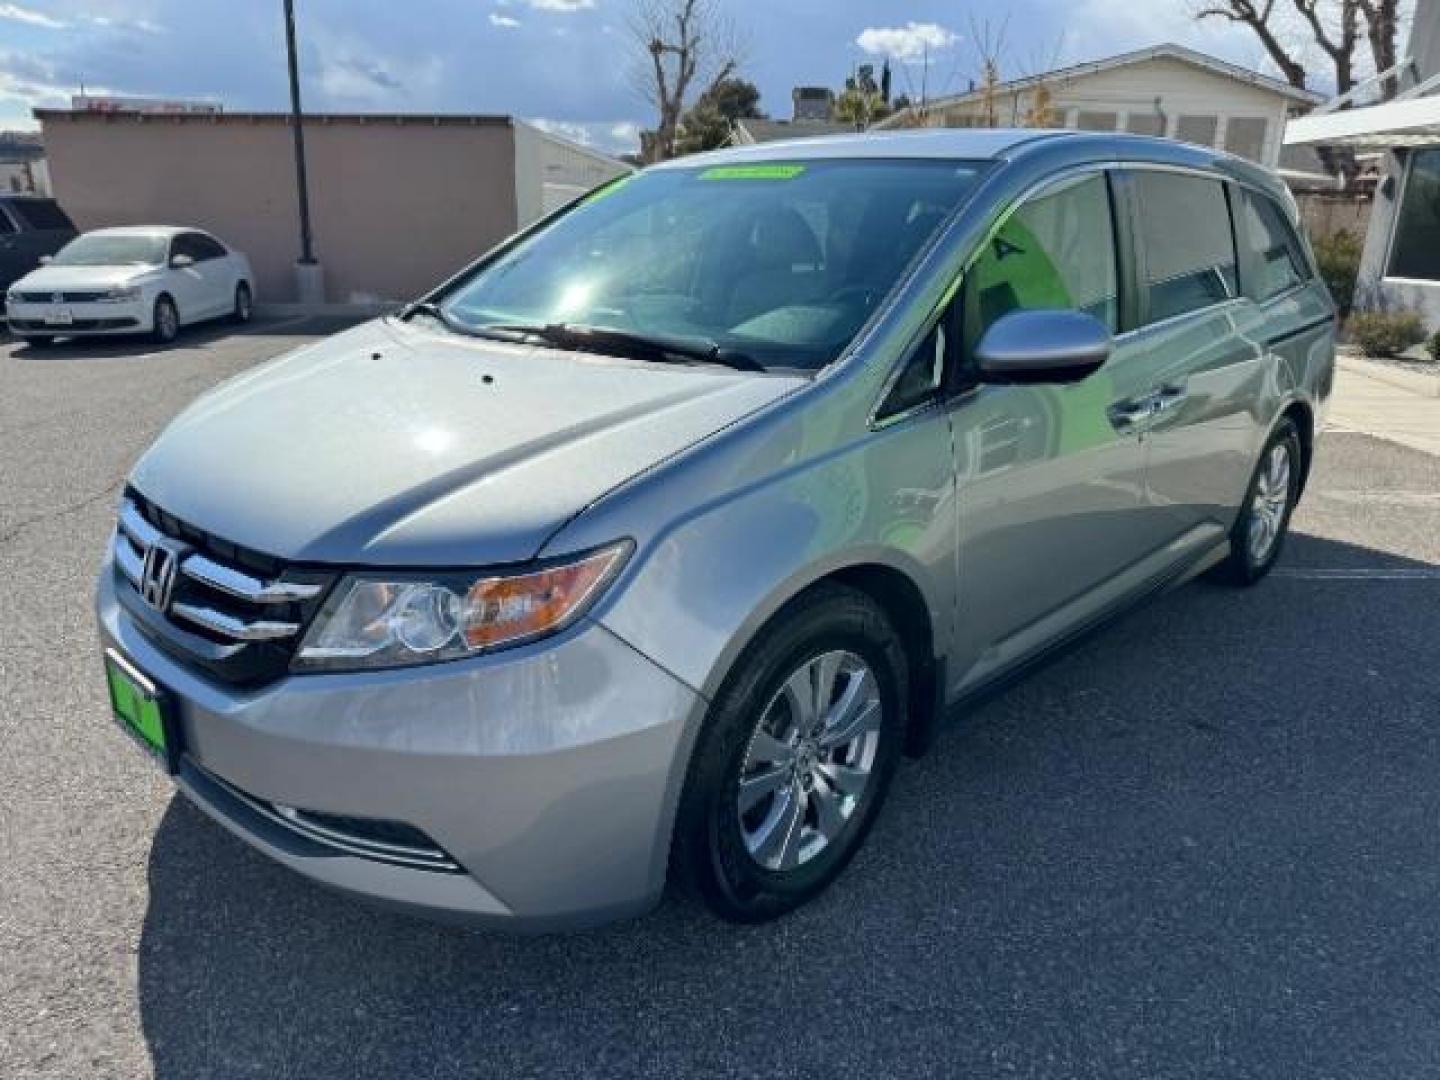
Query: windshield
[110, 249]
[782, 263]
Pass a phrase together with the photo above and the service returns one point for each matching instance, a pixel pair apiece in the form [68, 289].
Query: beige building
[397, 203]
[1166, 90]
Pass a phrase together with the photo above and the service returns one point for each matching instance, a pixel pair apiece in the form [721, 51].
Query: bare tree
[686, 46]
[1382, 28]
[1334, 26]
[1261, 17]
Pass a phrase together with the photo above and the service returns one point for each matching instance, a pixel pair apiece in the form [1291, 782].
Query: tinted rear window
[42, 214]
[1187, 241]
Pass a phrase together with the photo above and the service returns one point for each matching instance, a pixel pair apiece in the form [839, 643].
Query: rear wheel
[244, 304]
[795, 758]
[1259, 533]
[166, 324]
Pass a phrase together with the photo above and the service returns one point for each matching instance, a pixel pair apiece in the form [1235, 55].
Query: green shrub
[1433, 346]
[1338, 256]
[1387, 333]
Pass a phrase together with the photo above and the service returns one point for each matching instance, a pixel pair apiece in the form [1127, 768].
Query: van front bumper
[545, 777]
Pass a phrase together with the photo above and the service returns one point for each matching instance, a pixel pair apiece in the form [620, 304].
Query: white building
[1164, 90]
[1401, 264]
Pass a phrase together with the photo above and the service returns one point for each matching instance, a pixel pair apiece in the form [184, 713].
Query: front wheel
[795, 758]
[166, 323]
[1259, 532]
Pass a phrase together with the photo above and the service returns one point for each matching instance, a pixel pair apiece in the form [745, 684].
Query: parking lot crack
[14, 531]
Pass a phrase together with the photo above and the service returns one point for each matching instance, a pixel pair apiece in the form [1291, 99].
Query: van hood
[395, 445]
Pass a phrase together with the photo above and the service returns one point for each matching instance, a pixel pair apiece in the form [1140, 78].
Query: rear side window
[43, 214]
[1187, 246]
[204, 247]
[1276, 260]
[1055, 251]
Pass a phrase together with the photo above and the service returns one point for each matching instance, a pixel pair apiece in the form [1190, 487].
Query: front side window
[1416, 249]
[1186, 244]
[783, 262]
[1055, 251]
[1276, 261]
[112, 249]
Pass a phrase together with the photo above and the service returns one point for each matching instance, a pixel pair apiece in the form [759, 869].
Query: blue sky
[568, 63]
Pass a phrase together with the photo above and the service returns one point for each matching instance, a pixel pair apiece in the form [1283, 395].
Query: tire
[828, 792]
[165, 325]
[244, 305]
[1258, 535]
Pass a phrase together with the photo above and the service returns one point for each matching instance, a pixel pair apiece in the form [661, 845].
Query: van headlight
[385, 620]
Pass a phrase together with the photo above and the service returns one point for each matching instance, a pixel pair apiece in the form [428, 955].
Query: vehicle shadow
[1205, 835]
[141, 346]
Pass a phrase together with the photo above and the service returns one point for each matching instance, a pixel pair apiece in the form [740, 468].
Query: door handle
[1132, 412]
[1170, 396]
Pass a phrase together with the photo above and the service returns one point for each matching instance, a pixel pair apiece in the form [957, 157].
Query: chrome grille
[216, 604]
[71, 297]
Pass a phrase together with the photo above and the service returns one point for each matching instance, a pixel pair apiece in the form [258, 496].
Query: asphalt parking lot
[1204, 843]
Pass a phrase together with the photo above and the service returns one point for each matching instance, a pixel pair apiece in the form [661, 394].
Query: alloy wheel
[810, 760]
[1270, 503]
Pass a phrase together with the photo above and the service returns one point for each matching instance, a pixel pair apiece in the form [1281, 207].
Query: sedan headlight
[121, 295]
[385, 620]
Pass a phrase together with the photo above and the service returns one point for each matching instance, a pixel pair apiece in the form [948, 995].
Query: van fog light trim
[376, 620]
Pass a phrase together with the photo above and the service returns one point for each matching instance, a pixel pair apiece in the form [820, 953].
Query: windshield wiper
[436, 312]
[661, 347]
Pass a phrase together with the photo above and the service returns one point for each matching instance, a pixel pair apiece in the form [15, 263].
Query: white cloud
[33, 18]
[908, 42]
[505, 22]
[607, 136]
[564, 7]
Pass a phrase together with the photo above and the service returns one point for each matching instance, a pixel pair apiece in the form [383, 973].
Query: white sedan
[131, 280]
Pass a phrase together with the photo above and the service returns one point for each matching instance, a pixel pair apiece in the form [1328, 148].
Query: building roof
[1166, 51]
[760, 131]
[424, 119]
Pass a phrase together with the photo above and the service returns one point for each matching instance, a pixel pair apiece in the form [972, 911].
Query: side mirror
[1043, 347]
[46, 260]
[180, 262]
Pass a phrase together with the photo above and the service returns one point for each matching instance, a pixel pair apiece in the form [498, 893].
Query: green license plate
[139, 706]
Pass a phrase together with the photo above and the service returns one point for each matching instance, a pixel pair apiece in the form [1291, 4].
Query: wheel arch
[899, 595]
[1299, 412]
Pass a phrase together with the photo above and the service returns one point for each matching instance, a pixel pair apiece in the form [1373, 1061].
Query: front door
[1050, 479]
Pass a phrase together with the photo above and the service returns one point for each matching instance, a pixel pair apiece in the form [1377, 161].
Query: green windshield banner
[752, 172]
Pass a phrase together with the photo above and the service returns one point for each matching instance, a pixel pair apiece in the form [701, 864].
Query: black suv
[30, 226]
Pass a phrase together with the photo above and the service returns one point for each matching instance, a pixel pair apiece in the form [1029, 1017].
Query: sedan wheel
[244, 304]
[167, 321]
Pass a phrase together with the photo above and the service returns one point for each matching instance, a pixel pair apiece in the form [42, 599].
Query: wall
[1183, 90]
[397, 204]
[550, 172]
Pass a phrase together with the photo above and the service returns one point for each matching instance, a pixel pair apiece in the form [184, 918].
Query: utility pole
[308, 277]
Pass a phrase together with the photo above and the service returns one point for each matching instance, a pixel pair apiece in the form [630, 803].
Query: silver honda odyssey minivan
[643, 550]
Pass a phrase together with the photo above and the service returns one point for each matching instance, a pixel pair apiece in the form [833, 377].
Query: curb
[1424, 385]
